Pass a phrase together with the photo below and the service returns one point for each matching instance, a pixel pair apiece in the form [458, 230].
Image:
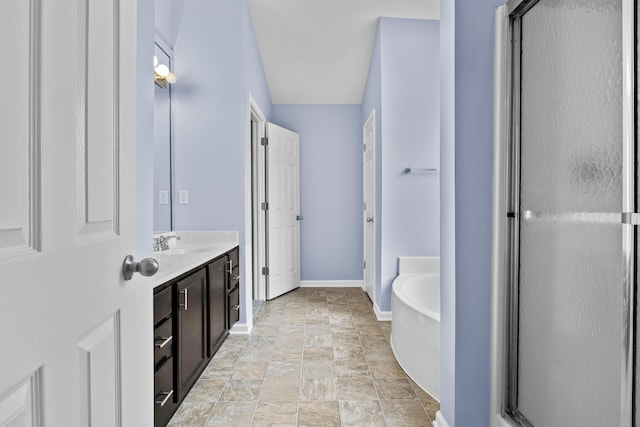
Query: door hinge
[364, 147]
[265, 206]
[264, 141]
[364, 206]
[265, 271]
[364, 264]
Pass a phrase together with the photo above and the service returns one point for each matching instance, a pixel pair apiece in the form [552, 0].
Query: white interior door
[369, 169]
[283, 210]
[76, 339]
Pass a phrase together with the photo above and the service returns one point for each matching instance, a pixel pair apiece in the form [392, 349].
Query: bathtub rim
[403, 297]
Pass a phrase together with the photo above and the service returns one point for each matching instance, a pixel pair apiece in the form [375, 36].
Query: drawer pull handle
[162, 341]
[230, 266]
[235, 307]
[167, 395]
[186, 299]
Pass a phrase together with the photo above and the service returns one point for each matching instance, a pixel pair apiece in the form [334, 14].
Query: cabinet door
[217, 271]
[191, 325]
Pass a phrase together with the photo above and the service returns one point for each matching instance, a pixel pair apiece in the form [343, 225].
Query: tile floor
[315, 357]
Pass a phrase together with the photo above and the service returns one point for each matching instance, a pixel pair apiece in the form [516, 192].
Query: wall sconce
[162, 74]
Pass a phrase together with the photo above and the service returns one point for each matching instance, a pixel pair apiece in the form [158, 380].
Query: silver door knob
[370, 219]
[147, 267]
[299, 217]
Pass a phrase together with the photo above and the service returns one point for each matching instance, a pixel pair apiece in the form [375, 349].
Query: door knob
[147, 267]
[299, 217]
[370, 219]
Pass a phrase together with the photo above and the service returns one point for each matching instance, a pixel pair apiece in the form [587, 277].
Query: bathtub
[415, 321]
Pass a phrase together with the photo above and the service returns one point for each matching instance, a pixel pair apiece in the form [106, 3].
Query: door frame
[370, 119]
[258, 186]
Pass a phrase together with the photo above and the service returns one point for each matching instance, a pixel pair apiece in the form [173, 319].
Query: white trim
[331, 284]
[440, 421]
[255, 256]
[382, 316]
[240, 329]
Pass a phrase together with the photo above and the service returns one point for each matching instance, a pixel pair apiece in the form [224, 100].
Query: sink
[184, 250]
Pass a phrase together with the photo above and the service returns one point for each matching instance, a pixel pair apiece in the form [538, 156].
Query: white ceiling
[318, 51]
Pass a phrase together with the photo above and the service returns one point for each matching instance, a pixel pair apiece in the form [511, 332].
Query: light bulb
[155, 61]
[171, 78]
[162, 70]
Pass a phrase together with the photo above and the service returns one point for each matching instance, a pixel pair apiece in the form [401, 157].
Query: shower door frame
[506, 223]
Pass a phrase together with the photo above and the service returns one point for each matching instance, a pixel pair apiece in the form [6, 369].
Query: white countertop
[192, 250]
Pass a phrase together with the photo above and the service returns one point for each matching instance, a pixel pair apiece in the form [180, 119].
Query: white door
[76, 338]
[369, 169]
[283, 210]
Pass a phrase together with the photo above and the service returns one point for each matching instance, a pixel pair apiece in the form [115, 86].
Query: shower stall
[565, 214]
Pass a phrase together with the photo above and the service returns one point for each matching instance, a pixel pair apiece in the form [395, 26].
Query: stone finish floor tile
[319, 413]
[279, 390]
[319, 389]
[279, 414]
[401, 413]
[316, 356]
[237, 414]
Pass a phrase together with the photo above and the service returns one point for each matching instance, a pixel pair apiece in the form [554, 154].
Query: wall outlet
[184, 197]
[163, 197]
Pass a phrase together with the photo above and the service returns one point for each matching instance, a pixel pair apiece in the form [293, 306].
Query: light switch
[184, 197]
[163, 197]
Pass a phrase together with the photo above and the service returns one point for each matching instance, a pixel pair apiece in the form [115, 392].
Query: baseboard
[331, 284]
[440, 421]
[383, 316]
[239, 329]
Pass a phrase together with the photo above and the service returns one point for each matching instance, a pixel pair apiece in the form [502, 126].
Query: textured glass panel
[571, 106]
[570, 278]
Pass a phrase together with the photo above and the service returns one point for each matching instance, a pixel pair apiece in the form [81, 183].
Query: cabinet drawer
[234, 306]
[164, 397]
[162, 305]
[162, 343]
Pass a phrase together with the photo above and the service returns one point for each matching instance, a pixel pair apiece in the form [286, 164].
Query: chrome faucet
[161, 243]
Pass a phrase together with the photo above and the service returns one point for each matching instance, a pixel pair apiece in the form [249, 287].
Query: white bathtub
[415, 321]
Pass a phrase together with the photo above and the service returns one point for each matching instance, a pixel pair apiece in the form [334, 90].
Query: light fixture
[162, 74]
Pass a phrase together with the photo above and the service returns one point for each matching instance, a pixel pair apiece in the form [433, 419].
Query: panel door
[369, 265]
[283, 214]
[76, 338]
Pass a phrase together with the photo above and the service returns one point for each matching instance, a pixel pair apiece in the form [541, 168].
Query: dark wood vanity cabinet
[217, 295]
[191, 354]
[192, 315]
[233, 288]
[165, 400]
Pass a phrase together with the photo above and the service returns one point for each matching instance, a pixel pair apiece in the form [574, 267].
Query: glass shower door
[567, 201]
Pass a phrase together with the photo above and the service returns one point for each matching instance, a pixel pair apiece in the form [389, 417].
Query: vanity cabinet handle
[162, 341]
[167, 395]
[236, 277]
[186, 299]
[235, 307]
[230, 266]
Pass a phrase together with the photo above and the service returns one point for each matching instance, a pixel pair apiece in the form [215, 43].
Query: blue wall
[403, 86]
[447, 212]
[217, 64]
[468, 33]
[330, 187]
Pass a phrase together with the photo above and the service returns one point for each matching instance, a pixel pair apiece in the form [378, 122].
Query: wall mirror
[163, 147]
